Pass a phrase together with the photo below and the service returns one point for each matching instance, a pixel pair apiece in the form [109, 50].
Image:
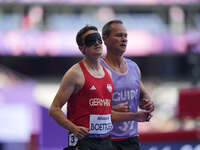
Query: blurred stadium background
[37, 46]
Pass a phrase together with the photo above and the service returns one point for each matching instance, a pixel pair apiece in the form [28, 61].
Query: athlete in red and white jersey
[87, 88]
[91, 107]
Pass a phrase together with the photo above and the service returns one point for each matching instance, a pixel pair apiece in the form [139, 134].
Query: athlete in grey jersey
[129, 92]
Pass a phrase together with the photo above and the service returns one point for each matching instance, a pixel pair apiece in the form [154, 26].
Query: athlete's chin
[122, 50]
[99, 54]
[99, 49]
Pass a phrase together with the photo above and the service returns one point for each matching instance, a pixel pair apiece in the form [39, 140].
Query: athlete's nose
[98, 42]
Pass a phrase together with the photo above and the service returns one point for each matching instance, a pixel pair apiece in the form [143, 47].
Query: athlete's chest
[100, 88]
[129, 80]
[126, 87]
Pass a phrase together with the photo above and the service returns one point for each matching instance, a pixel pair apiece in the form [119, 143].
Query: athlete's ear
[82, 48]
[105, 38]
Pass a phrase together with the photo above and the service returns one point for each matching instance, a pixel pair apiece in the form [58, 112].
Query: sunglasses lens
[91, 39]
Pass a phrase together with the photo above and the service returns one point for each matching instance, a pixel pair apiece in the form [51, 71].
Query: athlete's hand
[146, 104]
[80, 132]
[142, 116]
[123, 107]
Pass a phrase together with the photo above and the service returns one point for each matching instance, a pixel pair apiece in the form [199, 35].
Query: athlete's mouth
[97, 47]
[123, 45]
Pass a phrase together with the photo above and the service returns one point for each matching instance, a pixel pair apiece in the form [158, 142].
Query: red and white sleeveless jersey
[91, 106]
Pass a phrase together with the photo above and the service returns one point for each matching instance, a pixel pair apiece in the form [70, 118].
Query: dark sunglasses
[91, 39]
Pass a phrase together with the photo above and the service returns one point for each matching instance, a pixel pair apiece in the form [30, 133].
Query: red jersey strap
[82, 65]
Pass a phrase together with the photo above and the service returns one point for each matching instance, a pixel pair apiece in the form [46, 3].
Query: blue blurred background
[37, 46]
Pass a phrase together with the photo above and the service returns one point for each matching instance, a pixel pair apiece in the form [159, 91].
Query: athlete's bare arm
[145, 100]
[72, 82]
[122, 107]
[141, 116]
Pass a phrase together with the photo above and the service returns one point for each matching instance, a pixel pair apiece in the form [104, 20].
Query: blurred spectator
[33, 19]
[193, 60]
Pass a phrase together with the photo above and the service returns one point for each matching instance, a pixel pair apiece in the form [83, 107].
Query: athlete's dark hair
[82, 31]
[107, 27]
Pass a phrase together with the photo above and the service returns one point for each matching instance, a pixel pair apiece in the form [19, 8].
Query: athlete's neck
[92, 64]
[116, 61]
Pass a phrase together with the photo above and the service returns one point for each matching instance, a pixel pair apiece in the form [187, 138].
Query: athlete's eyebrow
[121, 34]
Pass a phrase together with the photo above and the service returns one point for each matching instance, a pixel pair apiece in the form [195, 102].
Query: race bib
[72, 140]
[100, 124]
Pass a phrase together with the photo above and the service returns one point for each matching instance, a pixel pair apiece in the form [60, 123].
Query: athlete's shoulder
[73, 78]
[130, 61]
[133, 65]
[74, 72]
[104, 64]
